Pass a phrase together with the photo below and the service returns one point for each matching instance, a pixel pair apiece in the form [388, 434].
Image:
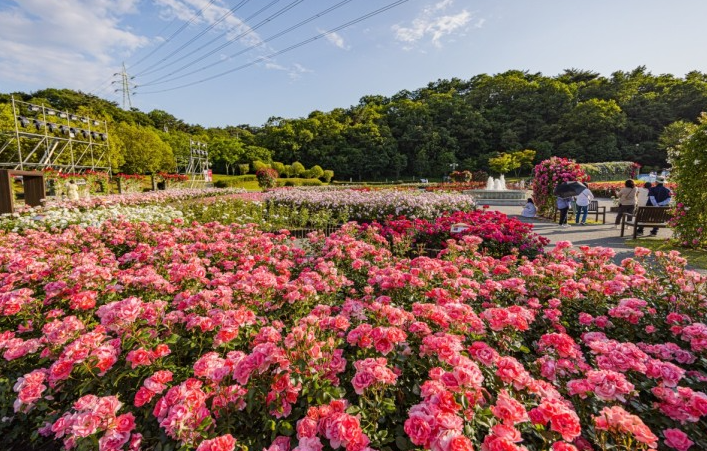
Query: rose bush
[267, 178]
[500, 234]
[550, 173]
[138, 336]
[689, 162]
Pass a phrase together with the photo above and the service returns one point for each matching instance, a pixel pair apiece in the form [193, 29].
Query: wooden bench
[646, 217]
[594, 209]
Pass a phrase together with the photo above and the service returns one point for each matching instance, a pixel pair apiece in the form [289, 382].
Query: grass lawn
[235, 182]
[696, 258]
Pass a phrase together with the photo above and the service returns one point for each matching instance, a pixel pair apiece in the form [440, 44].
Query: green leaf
[286, 428]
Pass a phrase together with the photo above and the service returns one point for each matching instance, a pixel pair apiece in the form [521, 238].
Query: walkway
[604, 235]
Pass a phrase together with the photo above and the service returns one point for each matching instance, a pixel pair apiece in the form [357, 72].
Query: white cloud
[432, 23]
[336, 39]
[443, 4]
[65, 44]
[295, 71]
[223, 19]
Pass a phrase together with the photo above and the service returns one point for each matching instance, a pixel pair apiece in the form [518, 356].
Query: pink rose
[419, 428]
[113, 440]
[309, 444]
[306, 427]
[222, 443]
[143, 396]
[125, 422]
[677, 439]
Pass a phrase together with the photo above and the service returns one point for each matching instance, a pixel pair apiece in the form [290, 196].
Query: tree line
[462, 124]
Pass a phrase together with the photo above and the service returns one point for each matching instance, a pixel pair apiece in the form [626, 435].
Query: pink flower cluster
[93, 415]
[209, 329]
[332, 423]
[616, 420]
[372, 372]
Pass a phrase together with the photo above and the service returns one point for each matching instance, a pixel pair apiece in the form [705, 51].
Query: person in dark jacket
[658, 196]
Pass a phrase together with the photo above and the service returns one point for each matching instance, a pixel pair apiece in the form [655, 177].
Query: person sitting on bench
[658, 196]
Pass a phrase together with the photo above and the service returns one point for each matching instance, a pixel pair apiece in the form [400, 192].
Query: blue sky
[80, 44]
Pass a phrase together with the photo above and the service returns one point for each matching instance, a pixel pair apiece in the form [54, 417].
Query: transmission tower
[126, 87]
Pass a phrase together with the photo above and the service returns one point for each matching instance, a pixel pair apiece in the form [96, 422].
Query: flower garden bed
[500, 234]
[75, 209]
[366, 206]
[213, 337]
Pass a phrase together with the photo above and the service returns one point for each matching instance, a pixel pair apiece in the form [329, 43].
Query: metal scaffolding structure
[196, 167]
[45, 137]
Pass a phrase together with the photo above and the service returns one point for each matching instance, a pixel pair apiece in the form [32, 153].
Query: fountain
[496, 193]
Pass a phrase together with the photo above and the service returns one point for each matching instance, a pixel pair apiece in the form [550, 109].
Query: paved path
[604, 235]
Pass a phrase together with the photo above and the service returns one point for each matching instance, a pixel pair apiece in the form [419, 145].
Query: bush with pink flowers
[267, 178]
[221, 337]
[500, 234]
[550, 173]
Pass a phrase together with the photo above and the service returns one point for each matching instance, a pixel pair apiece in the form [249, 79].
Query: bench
[594, 209]
[646, 217]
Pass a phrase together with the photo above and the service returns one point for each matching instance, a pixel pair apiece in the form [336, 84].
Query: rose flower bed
[500, 234]
[372, 205]
[212, 337]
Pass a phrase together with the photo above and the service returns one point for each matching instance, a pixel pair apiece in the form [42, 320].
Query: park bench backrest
[652, 215]
[593, 205]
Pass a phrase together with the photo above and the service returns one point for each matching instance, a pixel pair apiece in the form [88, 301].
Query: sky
[232, 62]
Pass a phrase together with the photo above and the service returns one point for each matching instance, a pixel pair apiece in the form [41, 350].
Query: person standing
[563, 206]
[582, 203]
[72, 191]
[627, 201]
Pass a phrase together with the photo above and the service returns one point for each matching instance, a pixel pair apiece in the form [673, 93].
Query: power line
[176, 33]
[247, 49]
[213, 40]
[200, 34]
[230, 41]
[107, 84]
[290, 48]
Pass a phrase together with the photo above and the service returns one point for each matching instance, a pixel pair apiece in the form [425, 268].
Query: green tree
[226, 152]
[524, 158]
[593, 127]
[504, 163]
[251, 153]
[143, 150]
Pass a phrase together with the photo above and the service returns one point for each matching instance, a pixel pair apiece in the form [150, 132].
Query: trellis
[44, 137]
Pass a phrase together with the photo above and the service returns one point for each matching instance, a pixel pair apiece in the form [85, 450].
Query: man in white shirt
[582, 202]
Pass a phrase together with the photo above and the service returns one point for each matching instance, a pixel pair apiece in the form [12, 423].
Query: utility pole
[126, 86]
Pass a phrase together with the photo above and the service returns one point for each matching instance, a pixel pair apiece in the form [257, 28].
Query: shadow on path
[592, 234]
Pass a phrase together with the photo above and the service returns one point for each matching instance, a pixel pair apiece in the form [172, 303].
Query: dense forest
[578, 114]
